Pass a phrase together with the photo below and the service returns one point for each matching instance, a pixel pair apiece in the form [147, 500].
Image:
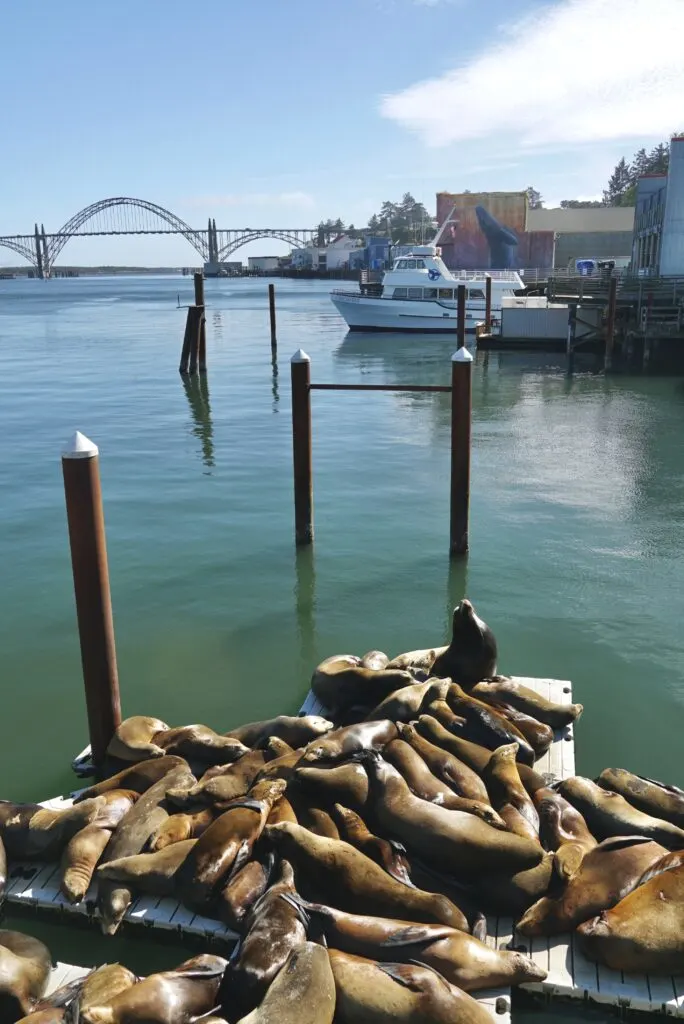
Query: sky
[285, 112]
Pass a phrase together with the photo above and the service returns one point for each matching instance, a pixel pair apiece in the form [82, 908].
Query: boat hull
[371, 313]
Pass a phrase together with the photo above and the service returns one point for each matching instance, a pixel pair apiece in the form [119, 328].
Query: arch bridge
[124, 215]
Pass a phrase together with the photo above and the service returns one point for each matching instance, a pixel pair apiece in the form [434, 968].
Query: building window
[446, 293]
[476, 293]
[415, 293]
[399, 293]
[430, 293]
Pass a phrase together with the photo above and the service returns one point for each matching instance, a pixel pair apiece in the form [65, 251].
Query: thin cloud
[300, 200]
[578, 71]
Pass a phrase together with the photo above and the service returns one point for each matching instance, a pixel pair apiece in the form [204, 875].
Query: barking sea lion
[471, 655]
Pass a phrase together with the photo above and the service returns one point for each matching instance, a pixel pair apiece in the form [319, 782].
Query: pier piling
[461, 315]
[488, 303]
[610, 325]
[461, 415]
[80, 466]
[272, 315]
[300, 368]
[191, 353]
[199, 301]
[572, 331]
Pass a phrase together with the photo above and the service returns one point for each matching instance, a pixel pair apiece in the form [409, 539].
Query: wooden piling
[488, 303]
[202, 339]
[460, 315]
[196, 320]
[272, 314]
[572, 331]
[610, 325]
[300, 368]
[80, 466]
[461, 414]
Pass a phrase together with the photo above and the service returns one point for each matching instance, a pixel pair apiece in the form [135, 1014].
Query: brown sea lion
[133, 739]
[446, 766]
[335, 872]
[647, 795]
[375, 660]
[609, 814]
[104, 984]
[602, 878]
[422, 659]
[427, 786]
[508, 795]
[406, 704]
[471, 655]
[222, 783]
[179, 827]
[3, 868]
[79, 860]
[137, 777]
[538, 735]
[244, 889]
[369, 992]
[281, 767]
[485, 725]
[644, 932]
[116, 803]
[346, 784]
[388, 854]
[170, 997]
[460, 958]
[130, 837]
[302, 993]
[274, 929]
[25, 965]
[296, 731]
[339, 684]
[448, 840]
[148, 872]
[202, 743]
[519, 696]
[311, 815]
[666, 863]
[32, 832]
[343, 743]
[563, 830]
[226, 846]
[503, 893]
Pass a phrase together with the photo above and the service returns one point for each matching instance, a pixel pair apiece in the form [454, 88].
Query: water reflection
[197, 391]
[305, 606]
[217, 322]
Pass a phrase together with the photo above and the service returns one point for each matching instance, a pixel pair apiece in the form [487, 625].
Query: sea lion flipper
[415, 935]
[669, 787]
[567, 861]
[479, 928]
[401, 973]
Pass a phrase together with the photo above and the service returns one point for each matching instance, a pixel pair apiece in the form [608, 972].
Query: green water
[577, 520]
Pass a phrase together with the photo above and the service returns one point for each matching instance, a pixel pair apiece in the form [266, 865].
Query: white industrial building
[262, 264]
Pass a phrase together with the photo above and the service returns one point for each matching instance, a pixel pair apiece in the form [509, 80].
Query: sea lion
[519, 696]
[335, 872]
[538, 735]
[369, 992]
[445, 765]
[222, 782]
[116, 803]
[226, 846]
[343, 743]
[282, 810]
[302, 993]
[133, 739]
[137, 777]
[25, 965]
[503, 893]
[666, 863]
[472, 652]
[375, 660]
[179, 827]
[485, 725]
[563, 830]
[33, 832]
[508, 795]
[149, 872]
[609, 814]
[405, 704]
[281, 767]
[170, 997]
[644, 932]
[389, 855]
[422, 660]
[80, 859]
[427, 786]
[296, 731]
[274, 930]
[202, 743]
[312, 816]
[339, 684]
[104, 984]
[3, 868]
[130, 837]
[460, 958]
[604, 875]
[346, 784]
[244, 889]
[448, 840]
[647, 795]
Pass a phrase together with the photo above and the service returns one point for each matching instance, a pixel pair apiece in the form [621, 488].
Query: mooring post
[461, 316]
[202, 337]
[610, 325]
[300, 368]
[488, 303]
[272, 314]
[80, 466]
[461, 413]
[572, 330]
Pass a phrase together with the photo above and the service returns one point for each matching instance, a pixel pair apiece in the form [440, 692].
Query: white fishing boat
[420, 293]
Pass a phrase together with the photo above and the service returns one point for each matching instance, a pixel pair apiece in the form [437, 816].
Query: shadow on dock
[197, 392]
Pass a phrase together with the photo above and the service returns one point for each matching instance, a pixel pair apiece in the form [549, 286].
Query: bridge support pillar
[39, 254]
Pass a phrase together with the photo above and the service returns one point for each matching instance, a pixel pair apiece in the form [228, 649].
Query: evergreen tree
[580, 204]
[534, 199]
[618, 183]
[658, 159]
[405, 221]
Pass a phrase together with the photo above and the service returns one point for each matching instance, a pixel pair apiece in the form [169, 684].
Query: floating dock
[570, 974]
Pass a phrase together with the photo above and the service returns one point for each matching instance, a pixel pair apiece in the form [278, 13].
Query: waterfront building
[658, 242]
[599, 233]
[262, 264]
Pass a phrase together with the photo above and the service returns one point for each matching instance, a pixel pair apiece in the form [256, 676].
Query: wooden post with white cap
[80, 466]
[300, 369]
[461, 407]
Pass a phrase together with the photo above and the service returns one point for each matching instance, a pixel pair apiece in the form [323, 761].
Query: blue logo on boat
[433, 274]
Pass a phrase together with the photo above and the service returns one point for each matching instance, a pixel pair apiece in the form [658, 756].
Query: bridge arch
[297, 239]
[24, 250]
[73, 226]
